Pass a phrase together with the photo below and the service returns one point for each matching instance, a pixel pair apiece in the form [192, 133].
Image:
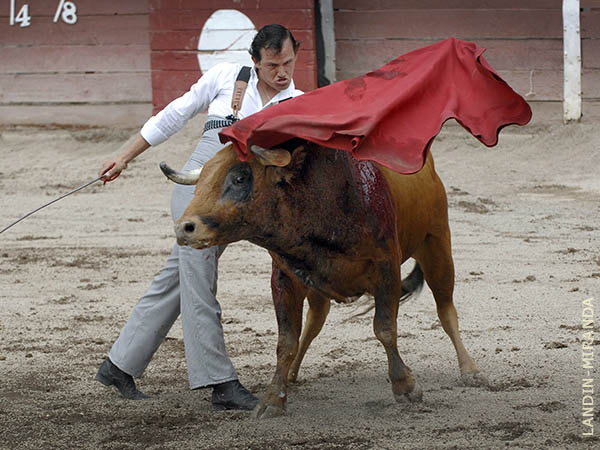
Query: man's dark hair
[271, 37]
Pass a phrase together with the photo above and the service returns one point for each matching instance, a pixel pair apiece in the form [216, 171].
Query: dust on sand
[525, 220]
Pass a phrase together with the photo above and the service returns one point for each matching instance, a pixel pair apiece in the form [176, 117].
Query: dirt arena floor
[525, 217]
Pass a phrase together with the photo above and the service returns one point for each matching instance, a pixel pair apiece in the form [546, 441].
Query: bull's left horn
[190, 177]
[272, 157]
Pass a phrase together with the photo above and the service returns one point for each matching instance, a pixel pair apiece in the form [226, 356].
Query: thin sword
[53, 201]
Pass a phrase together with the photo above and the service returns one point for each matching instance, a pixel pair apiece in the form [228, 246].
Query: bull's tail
[412, 286]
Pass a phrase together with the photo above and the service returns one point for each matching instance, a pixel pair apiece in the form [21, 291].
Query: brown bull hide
[336, 228]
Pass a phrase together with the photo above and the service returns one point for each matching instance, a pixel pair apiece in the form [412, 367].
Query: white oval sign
[226, 37]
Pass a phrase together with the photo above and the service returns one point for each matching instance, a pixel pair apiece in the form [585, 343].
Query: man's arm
[171, 119]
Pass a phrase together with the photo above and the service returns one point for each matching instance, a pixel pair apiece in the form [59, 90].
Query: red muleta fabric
[391, 115]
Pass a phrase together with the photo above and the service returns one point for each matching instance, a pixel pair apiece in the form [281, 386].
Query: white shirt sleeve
[175, 115]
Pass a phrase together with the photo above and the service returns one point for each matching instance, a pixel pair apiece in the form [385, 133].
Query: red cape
[391, 115]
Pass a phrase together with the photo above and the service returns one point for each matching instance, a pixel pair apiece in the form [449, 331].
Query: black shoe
[232, 395]
[109, 374]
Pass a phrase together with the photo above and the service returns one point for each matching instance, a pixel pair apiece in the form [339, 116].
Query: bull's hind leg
[315, 318]
[387, 300]
[438, 268]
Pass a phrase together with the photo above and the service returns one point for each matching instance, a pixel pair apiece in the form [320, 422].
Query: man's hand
[112, 168]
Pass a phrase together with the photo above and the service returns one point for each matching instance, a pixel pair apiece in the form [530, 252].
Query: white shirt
[214, 91]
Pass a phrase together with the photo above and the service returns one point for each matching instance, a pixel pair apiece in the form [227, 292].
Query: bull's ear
[272, 157]
[298, 157]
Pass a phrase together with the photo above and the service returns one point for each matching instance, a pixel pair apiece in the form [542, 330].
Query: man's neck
[266, 92]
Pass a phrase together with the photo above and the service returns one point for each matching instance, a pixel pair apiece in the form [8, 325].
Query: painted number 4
[23, 18]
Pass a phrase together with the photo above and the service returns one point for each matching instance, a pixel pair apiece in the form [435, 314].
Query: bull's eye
[237, 185]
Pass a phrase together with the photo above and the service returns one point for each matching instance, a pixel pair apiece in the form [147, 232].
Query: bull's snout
[186, 233]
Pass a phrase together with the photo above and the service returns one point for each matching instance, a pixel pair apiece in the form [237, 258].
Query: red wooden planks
[188, 40]
[93, 72]
[174, 40]
[590, 24]
[89, 30]
[445, 4]
[47, 8]
[182, 19]
[501, 54]
[590, 51]
[175, 79]
[174, 60]
[156, 5]
[590, 85]
[119, 115]
[305, 79]
[132, 58]
[441, 24]
[75, 88]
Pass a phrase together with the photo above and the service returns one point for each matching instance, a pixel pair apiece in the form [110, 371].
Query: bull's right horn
[190, 177]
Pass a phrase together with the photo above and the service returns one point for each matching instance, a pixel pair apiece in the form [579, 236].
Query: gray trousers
[187, 285]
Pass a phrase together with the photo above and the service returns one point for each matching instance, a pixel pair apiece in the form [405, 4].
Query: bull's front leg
[288, 297]
[387, 299]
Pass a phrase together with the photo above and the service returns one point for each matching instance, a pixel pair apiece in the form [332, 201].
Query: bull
[336, 228]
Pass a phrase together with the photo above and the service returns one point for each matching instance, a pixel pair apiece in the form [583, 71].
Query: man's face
[277, 69]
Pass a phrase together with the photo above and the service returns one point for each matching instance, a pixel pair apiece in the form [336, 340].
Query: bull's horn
[190, 177]
[272, 157]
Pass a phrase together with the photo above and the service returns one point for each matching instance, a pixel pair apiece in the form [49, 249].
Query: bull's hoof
[474, 379]
[267, 411]
[292, 376]
[414, 396]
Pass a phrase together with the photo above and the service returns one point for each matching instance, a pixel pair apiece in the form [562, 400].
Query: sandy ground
[525, 220]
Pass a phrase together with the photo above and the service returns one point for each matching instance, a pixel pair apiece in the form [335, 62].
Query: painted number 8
[69, 12]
